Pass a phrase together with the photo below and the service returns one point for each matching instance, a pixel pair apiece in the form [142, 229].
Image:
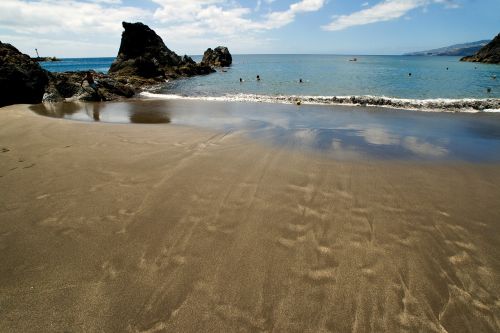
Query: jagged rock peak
[22, 80]
[218, 57]
[490, 53]
[142, 52]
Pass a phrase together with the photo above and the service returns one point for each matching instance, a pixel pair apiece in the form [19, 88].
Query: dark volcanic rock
[490, 53]
[219, 57]
[22, 80]
[143, 54]
[68, 86]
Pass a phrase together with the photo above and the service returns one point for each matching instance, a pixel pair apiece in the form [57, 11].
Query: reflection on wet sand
[339, 132]
[130, 112]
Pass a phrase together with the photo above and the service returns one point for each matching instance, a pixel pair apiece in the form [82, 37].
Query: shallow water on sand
[342, 132]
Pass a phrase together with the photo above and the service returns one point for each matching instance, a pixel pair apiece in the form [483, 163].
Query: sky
[92, 28]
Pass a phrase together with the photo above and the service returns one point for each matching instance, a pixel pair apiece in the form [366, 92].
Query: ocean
[432, 78]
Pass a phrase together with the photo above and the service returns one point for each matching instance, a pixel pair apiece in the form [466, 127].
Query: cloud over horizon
[386, 10]
[189, 26]
[188, 20]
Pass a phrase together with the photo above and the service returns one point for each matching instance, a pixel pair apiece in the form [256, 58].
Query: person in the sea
[258, 77]
[241, 80]
[300, 80]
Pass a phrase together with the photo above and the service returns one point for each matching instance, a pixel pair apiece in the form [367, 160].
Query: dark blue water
[329, 75]
[79, 64]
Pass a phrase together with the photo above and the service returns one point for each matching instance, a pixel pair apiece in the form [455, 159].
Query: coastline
[152, 227]
[469, 105]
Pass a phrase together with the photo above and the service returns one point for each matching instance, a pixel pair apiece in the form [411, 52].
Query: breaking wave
[438, 104]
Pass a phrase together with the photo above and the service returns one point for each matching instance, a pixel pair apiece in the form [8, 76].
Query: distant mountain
[465, 49]
[489, 54]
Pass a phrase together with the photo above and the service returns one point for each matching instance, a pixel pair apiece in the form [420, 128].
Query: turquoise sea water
[329, 75]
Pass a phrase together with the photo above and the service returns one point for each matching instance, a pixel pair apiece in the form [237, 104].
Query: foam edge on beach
[439, 104]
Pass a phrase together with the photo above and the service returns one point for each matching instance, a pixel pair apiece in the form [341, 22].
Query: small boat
[353, 59]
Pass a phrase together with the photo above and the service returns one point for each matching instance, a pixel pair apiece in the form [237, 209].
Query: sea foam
[438, 104]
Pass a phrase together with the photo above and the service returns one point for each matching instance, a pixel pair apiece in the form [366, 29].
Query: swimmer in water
[300, 80]
[258, 78]
[241, 80]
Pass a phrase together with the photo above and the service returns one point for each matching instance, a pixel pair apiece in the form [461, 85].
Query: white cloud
[226, 17]
[190, 22]
[58, 16]
[386, 10]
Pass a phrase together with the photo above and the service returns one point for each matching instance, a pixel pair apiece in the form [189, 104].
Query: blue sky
[89, 28]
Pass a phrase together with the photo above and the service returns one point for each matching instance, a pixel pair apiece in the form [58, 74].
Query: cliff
[490, 53]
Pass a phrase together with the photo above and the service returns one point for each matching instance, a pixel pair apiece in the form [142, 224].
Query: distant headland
[464, 49]
[489, 54]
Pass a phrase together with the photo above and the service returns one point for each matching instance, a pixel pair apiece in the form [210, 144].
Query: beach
[178, 228]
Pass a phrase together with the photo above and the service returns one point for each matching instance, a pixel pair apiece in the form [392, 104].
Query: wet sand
[170, 228]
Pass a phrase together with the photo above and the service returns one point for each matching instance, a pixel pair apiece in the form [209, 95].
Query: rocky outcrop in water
[72, 86]
[218, 57]
[490, 53]
[22, 80]
[143, 54]
[45, 59]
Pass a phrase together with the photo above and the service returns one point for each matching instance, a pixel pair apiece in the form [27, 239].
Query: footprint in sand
[288, 243]
[321, 275]
[178, 260]
[324, 250]
[125, 212]
[459, 258]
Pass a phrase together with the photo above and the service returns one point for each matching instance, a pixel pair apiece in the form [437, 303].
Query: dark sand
[170, 228]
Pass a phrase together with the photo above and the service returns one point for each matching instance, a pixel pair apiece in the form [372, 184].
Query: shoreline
[451, 105]
[179, 228]
[335, 131]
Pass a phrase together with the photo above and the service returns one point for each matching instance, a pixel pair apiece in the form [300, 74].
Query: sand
[167, 228]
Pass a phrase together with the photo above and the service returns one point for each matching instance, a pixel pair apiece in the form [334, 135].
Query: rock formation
[489, 53]
[68, 86]
[143, 54]
[219, 57]
[143, 59]
[22, 80]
